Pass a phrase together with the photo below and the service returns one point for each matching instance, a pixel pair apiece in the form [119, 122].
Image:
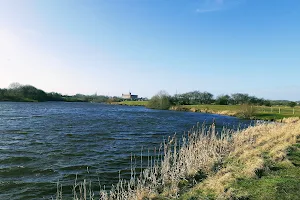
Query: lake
[43, 143]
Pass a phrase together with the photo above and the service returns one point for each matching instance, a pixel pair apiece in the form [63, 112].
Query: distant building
[129, 96]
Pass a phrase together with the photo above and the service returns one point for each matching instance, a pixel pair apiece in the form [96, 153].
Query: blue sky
[143, 46]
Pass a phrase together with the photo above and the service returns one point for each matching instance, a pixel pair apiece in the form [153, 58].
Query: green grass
[281, 181]
[214, 107]
[133, 103]
[197, 195]
[262, 112]
[277, 112]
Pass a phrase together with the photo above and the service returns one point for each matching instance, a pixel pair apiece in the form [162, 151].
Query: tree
[267, 103]
[239, 98]
[54, 96]
[292, 104]
[223, 100]
[179, 99]
[31, 92]
[197, 97]
[160, 101]
[206, 98]
[3, 94]
[14, 85]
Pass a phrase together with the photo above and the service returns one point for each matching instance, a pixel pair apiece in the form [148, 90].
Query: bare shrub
[160, 101]
[246, 111]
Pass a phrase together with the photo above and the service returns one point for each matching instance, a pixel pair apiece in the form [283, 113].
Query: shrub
[292, 104]
[223, 100]
[160, 101]
[247, 111]
[267, 103]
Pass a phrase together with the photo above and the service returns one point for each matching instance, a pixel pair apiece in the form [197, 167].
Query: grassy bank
[261, 112]
[261, 162]
[265, 164]
[132, 103]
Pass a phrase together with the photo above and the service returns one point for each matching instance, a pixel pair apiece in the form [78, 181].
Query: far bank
[258, 112]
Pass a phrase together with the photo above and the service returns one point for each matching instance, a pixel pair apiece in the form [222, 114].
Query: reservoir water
[43, 143]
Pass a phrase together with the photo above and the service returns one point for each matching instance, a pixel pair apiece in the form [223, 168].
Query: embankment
[264, 163]
[205, 110]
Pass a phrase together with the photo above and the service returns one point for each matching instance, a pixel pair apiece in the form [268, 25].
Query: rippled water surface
[41, 143]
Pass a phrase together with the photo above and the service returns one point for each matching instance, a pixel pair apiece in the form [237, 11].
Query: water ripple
[41, 143]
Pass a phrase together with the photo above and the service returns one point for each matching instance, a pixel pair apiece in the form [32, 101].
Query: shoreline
[194, 109]
[209, 167]
[261, 113]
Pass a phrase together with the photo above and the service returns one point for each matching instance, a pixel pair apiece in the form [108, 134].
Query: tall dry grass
[177, 160]
[222, 156]
[250, 149]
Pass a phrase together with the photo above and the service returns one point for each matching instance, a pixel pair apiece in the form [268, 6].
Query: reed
[202, 158]
[251, 152]
[176, 161]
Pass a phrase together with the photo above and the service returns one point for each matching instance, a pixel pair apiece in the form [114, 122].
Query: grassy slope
[280, 181]
[133, 103]
[262, 112]
[269, 168]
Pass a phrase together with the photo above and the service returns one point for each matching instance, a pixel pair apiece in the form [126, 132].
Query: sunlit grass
[262, 112]
[133, 103]
[256, 151]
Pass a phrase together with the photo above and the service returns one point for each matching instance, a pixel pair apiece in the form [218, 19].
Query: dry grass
[246, 158]
[223, 157]
[177, 160]
[221, 110]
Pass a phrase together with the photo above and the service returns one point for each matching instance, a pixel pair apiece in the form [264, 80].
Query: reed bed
[251, 152]
[198, 159]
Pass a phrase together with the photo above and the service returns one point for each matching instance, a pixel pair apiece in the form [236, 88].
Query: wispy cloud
[207, 6]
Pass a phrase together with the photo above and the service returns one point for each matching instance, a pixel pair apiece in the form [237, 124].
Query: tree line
[197, 97]
[163, 100]
[29, 93]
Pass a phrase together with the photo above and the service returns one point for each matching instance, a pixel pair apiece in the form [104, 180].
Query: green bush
[223, 100]
[160, 101]
[292, 104]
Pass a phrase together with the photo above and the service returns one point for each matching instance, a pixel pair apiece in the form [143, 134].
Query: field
[260, 112]
[133, 103]
[267, 167]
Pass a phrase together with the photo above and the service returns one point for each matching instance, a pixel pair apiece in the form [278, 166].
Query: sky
[144, 46]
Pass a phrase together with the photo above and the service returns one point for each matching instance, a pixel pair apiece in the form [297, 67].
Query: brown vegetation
[205, 160]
